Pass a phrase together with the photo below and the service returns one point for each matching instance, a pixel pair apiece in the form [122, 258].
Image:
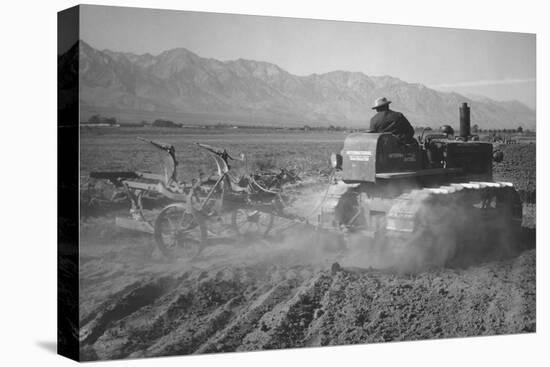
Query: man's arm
[408, 129]
[372, 127]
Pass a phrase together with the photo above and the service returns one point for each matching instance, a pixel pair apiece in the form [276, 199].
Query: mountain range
[180, 85]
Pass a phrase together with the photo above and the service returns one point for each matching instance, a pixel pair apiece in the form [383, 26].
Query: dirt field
[118, 149]
[286, 292]
[519, 167]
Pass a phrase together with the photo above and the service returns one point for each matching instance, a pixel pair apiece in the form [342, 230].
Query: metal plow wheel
[248, 222]
[180, 232]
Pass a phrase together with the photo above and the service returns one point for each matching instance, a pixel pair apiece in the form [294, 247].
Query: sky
[498, 65]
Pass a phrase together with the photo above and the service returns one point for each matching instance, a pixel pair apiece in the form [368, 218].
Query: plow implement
[204, 211]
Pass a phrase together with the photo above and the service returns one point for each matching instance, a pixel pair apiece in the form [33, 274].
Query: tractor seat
[235, 184]
[236, 188]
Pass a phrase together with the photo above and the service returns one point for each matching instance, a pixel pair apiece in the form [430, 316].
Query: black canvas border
[68, 136]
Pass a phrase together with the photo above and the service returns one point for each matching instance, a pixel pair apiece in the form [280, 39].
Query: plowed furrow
[286, 324]
[193, 332]
[121, 306]
[231, 337]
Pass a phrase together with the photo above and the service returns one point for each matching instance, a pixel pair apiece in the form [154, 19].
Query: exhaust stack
[464, 121]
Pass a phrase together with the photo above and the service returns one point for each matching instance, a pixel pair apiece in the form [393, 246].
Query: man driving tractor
[388, 121]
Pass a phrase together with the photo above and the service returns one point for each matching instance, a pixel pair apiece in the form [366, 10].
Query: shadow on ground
[49, 346]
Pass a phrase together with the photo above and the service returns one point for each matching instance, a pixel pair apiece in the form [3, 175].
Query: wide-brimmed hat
[382, 101]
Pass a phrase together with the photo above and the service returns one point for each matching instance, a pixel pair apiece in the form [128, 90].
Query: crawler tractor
[434, 198]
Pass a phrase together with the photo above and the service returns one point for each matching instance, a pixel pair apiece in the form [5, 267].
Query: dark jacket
[392, 122]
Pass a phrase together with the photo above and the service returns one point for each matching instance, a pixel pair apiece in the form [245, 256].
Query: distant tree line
[519, 130]
[98, 119]
[165, 123]
[477, 130]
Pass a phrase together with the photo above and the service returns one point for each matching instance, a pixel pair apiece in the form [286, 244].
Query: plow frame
[244, 209]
